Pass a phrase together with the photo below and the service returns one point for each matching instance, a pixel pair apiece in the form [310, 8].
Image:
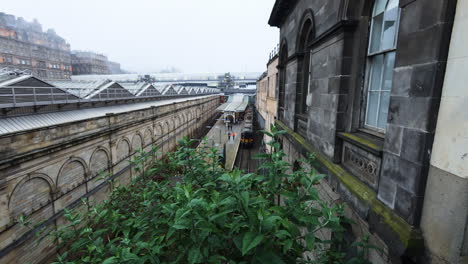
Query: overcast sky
[149, 35]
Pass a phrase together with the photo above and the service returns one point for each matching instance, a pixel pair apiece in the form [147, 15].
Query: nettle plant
[190, 210]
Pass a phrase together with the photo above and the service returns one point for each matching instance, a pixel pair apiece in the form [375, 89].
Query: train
[247, 135]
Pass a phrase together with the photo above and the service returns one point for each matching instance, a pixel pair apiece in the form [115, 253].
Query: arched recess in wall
[158, 134]
[147, 138]
[186, 124]
[72, 174]
[190, 123]
[31, 194]
[123, 149]
[170, 125]
[179, 128]
[303, 49]
[283, 59]
[198, 113]
[99, 162]
[137, 142]
[167, 134]
[203, 112]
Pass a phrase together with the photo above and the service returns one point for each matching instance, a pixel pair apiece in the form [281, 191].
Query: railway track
[244, 160]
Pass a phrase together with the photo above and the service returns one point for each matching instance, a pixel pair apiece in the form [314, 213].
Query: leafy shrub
[197, 212]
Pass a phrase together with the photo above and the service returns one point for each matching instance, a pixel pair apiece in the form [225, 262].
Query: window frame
[282, 66]
[368, 72]
[305, 38]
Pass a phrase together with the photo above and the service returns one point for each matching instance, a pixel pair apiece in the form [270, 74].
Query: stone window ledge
[365, 141]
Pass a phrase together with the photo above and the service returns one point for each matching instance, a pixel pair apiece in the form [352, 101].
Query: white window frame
[370, 55]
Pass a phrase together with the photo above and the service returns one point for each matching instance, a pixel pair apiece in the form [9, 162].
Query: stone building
[86, 62]
[114, 68]
[26, 47]
[361, 85]
[266, 101]
[56, 145]
[444, 220]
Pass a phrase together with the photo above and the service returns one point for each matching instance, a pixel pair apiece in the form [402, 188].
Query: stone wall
[381, 175]
[46, 170]
[445, 213]
[267, 102]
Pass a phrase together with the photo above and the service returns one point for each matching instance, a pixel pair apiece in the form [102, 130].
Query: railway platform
[217, 137]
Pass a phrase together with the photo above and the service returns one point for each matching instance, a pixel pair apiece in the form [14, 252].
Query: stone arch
[72, 174]
[198, 113]
[99, 162]
[30, 194]
[169, 125]
[184, 119]
[166, 128]
[306, 31]
[305, 37]
[137, 142]
[179, 127]
[158, 133]
[147, 137]
[166, 132]
[186, 123]
[190, 122]
[123, 149]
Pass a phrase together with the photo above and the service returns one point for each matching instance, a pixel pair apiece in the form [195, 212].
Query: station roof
[141, 89]
[24, 123]
[169, 90]
[82, 89]
[135, 87]
[235, 103]
[26, 90]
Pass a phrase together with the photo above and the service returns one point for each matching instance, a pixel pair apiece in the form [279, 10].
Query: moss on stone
[407, 233]
[362, 141]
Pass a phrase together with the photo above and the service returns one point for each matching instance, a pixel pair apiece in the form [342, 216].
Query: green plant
[198, 212]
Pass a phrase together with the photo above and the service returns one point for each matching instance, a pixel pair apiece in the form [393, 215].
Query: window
[283, 57]
[303, 74]
[268, 87]
[381, 61]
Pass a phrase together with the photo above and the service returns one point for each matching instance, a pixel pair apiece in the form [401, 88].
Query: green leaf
[310, 240]
[110, 260]
[216, 216]
[282, 234]
[250, 241]
[268, 257]
[194, 255]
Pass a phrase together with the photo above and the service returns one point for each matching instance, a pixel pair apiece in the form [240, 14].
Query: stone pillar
[445, 212]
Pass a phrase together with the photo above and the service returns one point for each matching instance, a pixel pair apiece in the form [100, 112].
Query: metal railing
[16, 96]
[274, 52]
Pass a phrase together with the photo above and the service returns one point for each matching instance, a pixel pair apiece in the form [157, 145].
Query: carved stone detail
[362, 164]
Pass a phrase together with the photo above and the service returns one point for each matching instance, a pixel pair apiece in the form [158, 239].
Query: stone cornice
[280, 11]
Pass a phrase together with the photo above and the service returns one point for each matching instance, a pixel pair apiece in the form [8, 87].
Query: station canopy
[235, 103]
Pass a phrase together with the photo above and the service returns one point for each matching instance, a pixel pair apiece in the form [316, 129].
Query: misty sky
[143, 35]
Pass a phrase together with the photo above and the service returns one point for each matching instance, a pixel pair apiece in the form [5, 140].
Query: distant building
[226, 81]
[24, 46]
[114, 68]
[266, 101]
[87, 62]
